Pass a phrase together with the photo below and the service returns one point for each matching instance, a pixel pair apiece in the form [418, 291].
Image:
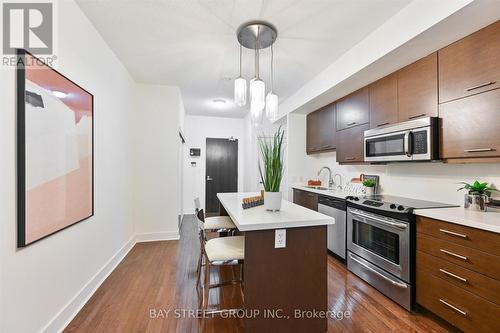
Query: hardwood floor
[160, 276]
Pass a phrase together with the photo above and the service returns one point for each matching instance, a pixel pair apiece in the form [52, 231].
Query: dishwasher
[336, 208]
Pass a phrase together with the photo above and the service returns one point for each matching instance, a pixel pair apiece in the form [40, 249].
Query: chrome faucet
[339, 184]
[330, 179]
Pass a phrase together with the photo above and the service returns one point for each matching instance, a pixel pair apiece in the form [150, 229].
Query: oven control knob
[356, 199]
[349, 198]
[393, 206]
[401, 207]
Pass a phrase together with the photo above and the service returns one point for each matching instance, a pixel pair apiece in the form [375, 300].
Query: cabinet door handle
[383, 124]
[327, 146]
[416, 116]
[464, 258]
[481, 85]
[310, 194]
[350, 124]
[478, 150]
[444, 271]
[453, 233]
[462, 312]
[350, 158]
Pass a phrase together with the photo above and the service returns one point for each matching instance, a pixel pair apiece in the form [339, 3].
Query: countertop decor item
[271, 173]
[253, 201]
[314, 182]
[369, 185]
[477, 195]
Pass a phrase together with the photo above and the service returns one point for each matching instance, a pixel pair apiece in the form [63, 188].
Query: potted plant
[271, 173]
[369, 185]
[477, 195]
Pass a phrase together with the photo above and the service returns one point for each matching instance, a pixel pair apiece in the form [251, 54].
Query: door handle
[209, 178]
[380, 220]
[482, 85]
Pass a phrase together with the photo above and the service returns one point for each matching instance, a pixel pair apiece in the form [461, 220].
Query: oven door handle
[383, 221]
[398, 284]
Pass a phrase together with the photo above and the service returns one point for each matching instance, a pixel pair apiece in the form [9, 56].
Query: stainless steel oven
[379, 252]
[414, 140]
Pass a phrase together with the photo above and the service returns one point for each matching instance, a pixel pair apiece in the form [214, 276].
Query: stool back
[197, 204]
[200, 219]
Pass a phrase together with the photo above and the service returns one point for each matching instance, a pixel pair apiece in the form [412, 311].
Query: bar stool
[220, 251]
[215, 223]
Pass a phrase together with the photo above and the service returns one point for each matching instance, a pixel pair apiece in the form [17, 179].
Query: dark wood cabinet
[350, 148]
[457, 274]
[470, 127]
[470, 65]
[313, 135]
[305, 199]
[418, 89]
[354, 109]
[321, 130]
[327, 128]
[384, 101]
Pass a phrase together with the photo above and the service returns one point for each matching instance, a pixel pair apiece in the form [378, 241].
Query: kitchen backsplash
[428, 181]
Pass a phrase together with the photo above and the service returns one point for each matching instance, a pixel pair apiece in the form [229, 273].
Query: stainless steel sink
[318, 187]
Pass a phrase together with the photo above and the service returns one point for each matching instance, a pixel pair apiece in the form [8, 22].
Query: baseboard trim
[157, 236]
[71, 309]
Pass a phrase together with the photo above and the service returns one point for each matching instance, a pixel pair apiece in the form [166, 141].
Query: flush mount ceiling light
[256, 35]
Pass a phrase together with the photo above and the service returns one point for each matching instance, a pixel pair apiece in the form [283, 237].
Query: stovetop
[394, 204]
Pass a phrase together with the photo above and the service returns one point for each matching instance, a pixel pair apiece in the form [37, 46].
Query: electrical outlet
[279, 238]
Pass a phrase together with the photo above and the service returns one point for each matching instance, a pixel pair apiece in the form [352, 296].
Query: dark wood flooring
[161, 276]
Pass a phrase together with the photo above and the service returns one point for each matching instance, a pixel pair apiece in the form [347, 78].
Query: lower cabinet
[455, 278]
[305, 199]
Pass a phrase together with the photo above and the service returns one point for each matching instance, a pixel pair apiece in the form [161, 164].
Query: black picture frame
[21, 148]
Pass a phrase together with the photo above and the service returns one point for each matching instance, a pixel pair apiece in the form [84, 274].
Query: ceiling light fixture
[59, 94]
[256, 35]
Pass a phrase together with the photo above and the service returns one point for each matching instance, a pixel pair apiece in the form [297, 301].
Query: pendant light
[240, 88]
[272, 98]
[257, 91]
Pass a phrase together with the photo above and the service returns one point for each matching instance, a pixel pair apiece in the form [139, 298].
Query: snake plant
[271, 150]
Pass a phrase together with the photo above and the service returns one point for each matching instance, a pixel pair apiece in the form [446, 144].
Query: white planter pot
[369, 191]
[272, 201]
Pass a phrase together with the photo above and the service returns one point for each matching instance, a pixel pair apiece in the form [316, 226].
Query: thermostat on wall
[194, 152]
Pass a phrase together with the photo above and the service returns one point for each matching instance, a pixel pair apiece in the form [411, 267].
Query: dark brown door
[353, 110]
[313, 133]
[350, 147]
[418, 89]
[384, 101]
[221, 171]
[471, 126]
[327, 128]
[470, 65]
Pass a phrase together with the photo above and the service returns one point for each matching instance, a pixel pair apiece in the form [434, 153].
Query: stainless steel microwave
[414, 140]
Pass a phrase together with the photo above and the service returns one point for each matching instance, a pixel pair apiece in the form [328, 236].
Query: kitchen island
[285, 287]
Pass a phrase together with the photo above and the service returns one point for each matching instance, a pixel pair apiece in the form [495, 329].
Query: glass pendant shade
[240, 91]
[257, 95]
[272, 106]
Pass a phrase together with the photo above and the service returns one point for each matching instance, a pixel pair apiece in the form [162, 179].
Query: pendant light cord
[272, 68]
[240, 60]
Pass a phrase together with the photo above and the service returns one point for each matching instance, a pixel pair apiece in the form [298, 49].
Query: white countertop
[489, 221]
[258, 218]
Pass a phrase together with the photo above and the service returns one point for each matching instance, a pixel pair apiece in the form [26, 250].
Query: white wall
[426, 181]
[197, 130]
[38, 281]
[156, 146]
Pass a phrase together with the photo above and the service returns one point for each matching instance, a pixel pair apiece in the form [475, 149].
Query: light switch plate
[280, 238]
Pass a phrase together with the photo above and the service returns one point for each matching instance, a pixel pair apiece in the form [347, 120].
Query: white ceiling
[192, 43]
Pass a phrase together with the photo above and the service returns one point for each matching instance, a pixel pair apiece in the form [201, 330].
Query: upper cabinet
[321, 130]
[418, 89]
[384, 101]
[312, 138]
[353, 110]
[470, 65]
[350, 148]
[470, 127]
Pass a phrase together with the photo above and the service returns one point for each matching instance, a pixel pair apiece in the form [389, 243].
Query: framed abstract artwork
[55, 151]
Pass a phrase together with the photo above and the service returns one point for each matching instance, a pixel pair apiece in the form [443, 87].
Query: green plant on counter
[477, 188]
[271, 151]
[369, 183]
